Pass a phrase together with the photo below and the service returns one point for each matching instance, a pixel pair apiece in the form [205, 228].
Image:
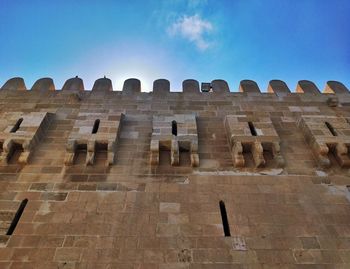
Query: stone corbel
[154, 152]
[321, 151]
[194, 154]
[341, 154]
[237, 154]
[257, 152]
[276, 152]
[175, 154]
[70, 154]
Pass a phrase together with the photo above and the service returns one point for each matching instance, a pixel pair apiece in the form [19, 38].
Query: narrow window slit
[96, 125]
[252, 128]
[17, 217]
[224, 219]
[331, 129]
[174, 127]
[16, 126]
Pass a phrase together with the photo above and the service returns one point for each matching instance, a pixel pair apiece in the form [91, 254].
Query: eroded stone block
[103, 84]
[278, 87]
[327, 134]
[175, 133]
[94, 131]
[132, 86]
[73, 84]
[14, 84]
[190, 86]
[43, 84]
[249, 86]
[256, 134]
[21, 130]
[306, 86]
[161, 86]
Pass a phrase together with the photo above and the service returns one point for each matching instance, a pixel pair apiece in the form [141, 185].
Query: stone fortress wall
[203, 178]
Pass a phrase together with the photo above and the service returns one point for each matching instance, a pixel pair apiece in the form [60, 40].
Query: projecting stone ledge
[327, 134]
[255, 134]
[21, 130]
[92, 132]
[175, 133]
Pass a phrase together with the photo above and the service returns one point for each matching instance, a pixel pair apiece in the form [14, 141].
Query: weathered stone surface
[93, 132]
[190, 86]
[255, 133]
[249, 86]
[306, 86]
[103, 84]
[73, 84]
[132, 86]
[175, 133]
[161, 86]
[134, 215]
[220, 86]
[335, 87]
[325, 134]
[21, 130]
[278, 87]
[43, 84]
[14, 84]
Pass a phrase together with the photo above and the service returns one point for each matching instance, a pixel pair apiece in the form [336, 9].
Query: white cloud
[192, 28]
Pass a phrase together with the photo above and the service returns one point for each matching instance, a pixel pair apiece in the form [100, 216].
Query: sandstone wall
[131, 214]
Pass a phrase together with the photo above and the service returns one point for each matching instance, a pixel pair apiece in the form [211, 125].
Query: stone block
[278, 87]
[161, 87]
[220, 86]
[306, 86]
[22, 131]
[92, 132]
[254, 133]
[327, 134]
[335, 87]
[190, 86]
[73, 84]
[132, 86]
[14, 84]
[249, 86]
[175, 133]
[103, 84]
[43, 84]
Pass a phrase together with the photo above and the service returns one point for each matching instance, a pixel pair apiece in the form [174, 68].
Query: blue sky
[176, 39]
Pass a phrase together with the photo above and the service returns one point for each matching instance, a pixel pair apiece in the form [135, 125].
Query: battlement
[189, 86]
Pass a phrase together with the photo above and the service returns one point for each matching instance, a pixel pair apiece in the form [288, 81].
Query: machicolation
[202, 178]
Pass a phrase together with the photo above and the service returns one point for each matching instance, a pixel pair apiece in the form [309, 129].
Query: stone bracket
[82, 136]
[240, 137]
[323, 140]
[28, 135]
[186, 137]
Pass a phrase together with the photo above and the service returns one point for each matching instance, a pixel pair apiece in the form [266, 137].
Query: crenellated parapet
[93, 132]
[175, 133]
[22, 131]
[255, 134]
[189, 86]
[327, 134]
